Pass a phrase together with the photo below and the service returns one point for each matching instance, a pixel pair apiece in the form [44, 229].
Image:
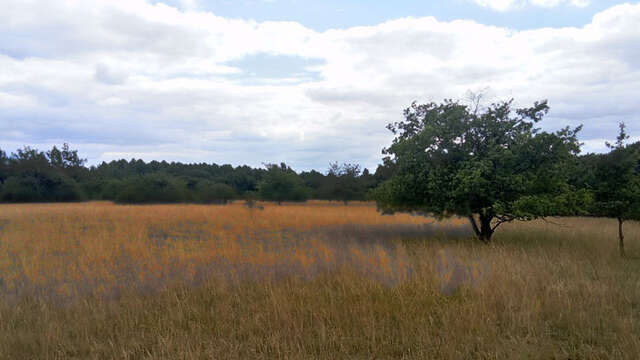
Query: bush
[109, 189]
[21, 189]
[41, 187]
[151, 188]
[214, 193]
[280, 183]
[60, 188]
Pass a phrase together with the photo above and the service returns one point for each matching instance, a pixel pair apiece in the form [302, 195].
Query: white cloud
[504, 5]
[109, 76]
[128, 77]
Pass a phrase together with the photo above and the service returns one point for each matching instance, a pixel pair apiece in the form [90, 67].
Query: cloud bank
[504, 5]
[128, 78]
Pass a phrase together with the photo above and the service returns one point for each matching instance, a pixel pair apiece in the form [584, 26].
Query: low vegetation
[315, 280]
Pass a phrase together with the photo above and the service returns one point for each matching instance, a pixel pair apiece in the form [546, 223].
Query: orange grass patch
[101, 249]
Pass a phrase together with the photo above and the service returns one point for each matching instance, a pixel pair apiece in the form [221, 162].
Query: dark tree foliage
[615, 182]
[60, 174]
[316, 182]
[30, 175]
[491, 166]
[344, 182]
[4, 166]
[151, 189]
[214, 193]
[281, 183]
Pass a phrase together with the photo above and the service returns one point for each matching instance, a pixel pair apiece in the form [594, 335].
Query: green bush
[152, 188]
[60, 188]
[214, 193]
[109, 189]
[21, 189]
[41, 187]
[280, 183]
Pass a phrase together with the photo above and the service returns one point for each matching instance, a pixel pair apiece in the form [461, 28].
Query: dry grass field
[308, 281]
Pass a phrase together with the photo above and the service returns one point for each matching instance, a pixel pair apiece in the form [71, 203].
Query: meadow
[318, 280]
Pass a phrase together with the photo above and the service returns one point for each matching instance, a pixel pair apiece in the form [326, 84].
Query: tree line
[60, 174]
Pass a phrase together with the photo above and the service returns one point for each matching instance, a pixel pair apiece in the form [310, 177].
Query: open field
[315, 280]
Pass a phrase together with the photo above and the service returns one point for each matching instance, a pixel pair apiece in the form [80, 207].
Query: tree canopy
[281, 183]
[60, 174]
[616, 183]
[30, 175]
[344, 182]
[490, 165]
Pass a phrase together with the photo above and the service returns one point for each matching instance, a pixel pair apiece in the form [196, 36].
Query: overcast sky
[305, 82]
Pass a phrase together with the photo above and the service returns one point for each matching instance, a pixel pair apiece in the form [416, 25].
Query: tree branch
[555, 223]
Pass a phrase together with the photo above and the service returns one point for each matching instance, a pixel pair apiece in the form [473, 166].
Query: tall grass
[318, 280]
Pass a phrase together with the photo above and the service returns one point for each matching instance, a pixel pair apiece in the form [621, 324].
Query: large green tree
[490, 165]
[616, 184]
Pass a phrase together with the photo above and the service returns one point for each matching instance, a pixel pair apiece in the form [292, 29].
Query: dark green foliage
[491, 166]
[152, 189]
[213, 193]
[41, 187]
[281, 183]
[67, 161]
[316, 182]
[343, 182]
[615, 182]
[106, 189]
[200, 183]
[4, 167]
[29, 175]
[21, 189]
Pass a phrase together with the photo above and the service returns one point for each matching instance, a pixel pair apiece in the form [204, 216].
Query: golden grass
[315, 280]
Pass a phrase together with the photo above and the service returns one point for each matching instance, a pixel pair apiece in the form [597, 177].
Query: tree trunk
[474, 226]
[485, 228]
[484, 232]
[621, 237]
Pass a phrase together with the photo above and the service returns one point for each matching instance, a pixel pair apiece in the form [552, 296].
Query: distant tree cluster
[30, 175]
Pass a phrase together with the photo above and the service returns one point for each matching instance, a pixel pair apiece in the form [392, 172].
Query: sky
[302, 82]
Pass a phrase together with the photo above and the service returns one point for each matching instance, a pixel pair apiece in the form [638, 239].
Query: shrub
[41, 187]
[214, 193]
[151, 188]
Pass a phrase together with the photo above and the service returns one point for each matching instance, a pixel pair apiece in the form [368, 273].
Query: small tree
[280, 183]
[617, 184]
[67, 161]
[344, 182]
[491, 166]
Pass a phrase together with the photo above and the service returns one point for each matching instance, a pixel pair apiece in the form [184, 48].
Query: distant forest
[61, 175]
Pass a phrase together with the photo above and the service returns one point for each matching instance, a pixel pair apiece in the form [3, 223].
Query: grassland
[319, 280]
